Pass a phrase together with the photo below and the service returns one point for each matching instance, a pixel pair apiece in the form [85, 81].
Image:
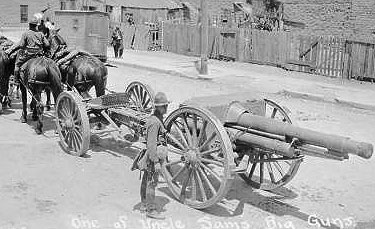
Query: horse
[6, 70]
[80, 70]
[36, 75]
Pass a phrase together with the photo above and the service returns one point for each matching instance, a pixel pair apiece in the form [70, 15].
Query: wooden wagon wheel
[200, 157]
[267, 170]
[72, 123]
[141, 96]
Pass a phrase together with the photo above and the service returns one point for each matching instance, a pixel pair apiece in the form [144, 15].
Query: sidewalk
[265, 78]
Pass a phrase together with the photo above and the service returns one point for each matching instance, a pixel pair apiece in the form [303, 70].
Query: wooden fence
[142, 37]
[325, 55]
[361, 58]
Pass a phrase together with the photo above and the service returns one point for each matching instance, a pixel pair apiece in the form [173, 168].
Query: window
[24, 9]
[108, 9]
[62, 5]
[72, 5]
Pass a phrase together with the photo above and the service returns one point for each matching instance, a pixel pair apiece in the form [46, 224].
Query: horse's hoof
[38, 131]
[23, 119]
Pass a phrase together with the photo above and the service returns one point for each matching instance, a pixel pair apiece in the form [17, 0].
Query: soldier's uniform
[117, 42]
[155, 153]
[154, 136]
[32, 44]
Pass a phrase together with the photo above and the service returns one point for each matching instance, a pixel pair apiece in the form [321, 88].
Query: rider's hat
[161, 99]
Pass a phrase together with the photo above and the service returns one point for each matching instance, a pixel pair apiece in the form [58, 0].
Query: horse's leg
[48, 103]
[24, 103]
[33, 107]
[100, 84]
[38, 111]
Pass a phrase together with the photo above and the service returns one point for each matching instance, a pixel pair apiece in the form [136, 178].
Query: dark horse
[6, 70]
[83, 70]
[38, 74]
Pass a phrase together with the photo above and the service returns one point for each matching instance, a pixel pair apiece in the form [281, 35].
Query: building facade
[17, 13]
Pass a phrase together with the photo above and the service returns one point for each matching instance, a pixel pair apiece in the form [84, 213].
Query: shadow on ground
[270, 202]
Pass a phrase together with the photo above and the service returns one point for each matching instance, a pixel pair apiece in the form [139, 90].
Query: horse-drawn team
[42, 61]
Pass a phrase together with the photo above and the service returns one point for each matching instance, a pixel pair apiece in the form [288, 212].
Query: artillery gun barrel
[282, 148]
[238, 115]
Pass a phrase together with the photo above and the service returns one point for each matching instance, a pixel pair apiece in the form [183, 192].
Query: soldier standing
[155, 154]
[117, 42]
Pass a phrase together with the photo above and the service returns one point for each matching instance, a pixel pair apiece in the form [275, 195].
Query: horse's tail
[55, 78]
[101, 73]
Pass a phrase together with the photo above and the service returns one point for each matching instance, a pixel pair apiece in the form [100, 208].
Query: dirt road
[42, 187]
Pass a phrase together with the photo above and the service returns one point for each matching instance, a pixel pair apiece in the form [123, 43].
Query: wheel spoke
[78, 135]
[279, 168]
[184, 185]
[270, 171]
[175, 141]
[175, 150]
[179, 172]
[208, 182]
[187, 131]
[210, 161]
[210, 170]
[75, 142]
[252, 170]
[182, 136]
[202, 132]
[194, 133]
[200, 185]
[213, 150]
[261, 170]
[204, 145]
[194, 186]
[144, 97]
[147, 102]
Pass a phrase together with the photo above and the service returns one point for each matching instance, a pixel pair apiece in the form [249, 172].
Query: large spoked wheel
[267, 170]
[72, 124]
[141, 97]
[200, 157]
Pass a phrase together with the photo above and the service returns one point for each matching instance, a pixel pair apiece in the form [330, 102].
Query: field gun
[208, 143]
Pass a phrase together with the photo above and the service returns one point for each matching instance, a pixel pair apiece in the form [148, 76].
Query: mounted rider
[32, 44]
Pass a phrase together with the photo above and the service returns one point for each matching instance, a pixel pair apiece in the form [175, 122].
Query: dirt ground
[43, 187]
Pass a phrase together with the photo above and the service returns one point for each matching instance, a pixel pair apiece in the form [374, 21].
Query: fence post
[239, 44]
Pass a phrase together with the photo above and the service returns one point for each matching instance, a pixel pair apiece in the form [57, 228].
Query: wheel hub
[192, 157]
[69, 124]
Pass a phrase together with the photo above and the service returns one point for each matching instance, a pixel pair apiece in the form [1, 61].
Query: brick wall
[349, 18]
[321, 17]
[215, 7]
[363, 17]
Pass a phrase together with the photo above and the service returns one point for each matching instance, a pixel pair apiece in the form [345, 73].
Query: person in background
[117, 42]
[155, 154]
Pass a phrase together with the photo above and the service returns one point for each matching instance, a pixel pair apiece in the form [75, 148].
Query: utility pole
[204, 37]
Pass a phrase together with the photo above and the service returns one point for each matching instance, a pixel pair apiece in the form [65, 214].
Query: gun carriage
[208, 146]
